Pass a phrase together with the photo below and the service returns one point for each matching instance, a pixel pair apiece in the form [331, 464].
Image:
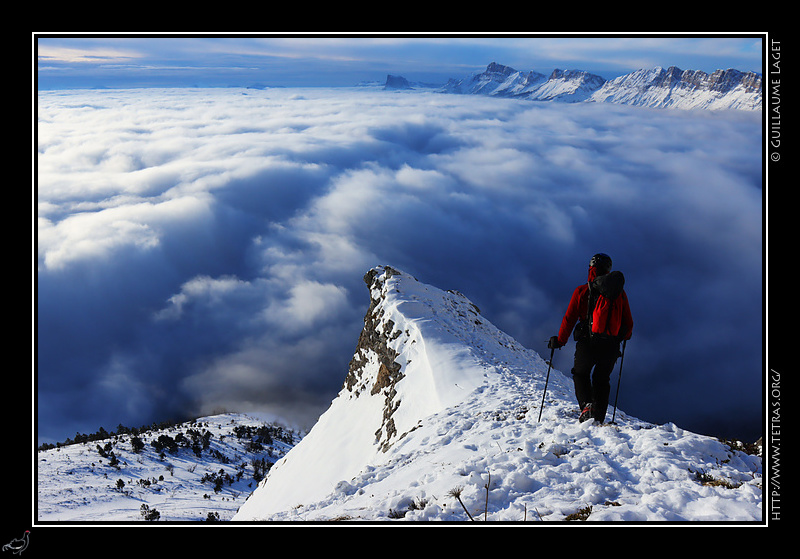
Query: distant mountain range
[658, 87]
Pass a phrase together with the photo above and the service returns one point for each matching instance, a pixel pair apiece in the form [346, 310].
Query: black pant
[600, 354]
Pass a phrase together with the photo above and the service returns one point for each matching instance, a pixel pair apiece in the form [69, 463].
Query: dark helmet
[601, 262]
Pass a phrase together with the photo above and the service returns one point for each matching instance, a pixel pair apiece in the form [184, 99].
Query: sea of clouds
[203, 249]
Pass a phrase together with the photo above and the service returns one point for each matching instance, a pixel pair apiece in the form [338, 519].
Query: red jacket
[579, 306]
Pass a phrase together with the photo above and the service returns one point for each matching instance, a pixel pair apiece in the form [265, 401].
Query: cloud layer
[203, 249]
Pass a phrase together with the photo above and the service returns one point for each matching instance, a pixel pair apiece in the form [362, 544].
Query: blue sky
[341, 60]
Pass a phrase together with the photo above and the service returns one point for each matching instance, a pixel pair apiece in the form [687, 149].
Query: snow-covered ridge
[684, 89]
[438, 420]
[657, 87]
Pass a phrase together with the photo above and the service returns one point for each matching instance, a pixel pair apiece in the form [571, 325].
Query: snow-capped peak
[438, 419]
[653, 87]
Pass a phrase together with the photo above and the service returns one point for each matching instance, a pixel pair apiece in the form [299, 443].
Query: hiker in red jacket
[597, 335]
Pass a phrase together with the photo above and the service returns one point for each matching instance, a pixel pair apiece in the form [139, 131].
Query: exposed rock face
[373, 340]
[396, 82]
[499, 71]
[373, 344]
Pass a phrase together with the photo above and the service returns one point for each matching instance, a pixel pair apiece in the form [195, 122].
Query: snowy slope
[438, 403]
[75, 483]
[567, 85]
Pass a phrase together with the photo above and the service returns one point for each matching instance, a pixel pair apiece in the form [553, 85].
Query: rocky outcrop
[373, 345]
[396, 82]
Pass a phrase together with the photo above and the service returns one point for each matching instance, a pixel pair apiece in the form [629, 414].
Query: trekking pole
[546, 380]
[619, 380]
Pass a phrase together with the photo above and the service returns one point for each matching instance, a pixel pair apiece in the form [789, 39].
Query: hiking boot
[586, 413]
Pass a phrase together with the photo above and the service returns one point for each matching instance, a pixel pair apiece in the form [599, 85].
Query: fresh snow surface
[466, 417]
[76, 484]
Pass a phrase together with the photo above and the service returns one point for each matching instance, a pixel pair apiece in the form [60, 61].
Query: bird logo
[18, 545]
